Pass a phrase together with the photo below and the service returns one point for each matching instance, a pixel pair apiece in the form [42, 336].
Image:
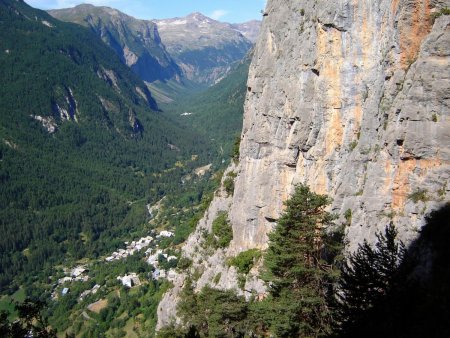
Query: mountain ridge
[137, 42]
[204, 48]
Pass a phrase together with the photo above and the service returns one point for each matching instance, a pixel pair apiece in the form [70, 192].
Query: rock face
[203, 48]
[137, 42]
[352, 98]
[358, 110]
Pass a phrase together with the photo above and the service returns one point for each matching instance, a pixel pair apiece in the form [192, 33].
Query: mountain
[198, 53]
[83, 148]
[202, 47]
[137, 42]
[249, 29]
[352, 101]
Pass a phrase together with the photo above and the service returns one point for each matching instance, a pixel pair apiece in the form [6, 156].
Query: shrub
[217, 278]
[235, 150]
[348, 216]
[222, 230]
[212, 313]
[245, 260]
[228, 183]
[443, 11]
[418, 195]
[221, 234]
[184, 263]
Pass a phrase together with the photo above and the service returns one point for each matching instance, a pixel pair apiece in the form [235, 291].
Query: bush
[222, 233]
[443, 11]
[418, 195]
[213, 313]
[184, 263]
[353, 145]
[245, 260]
[348, 216]
[235, 150]
[228, 183]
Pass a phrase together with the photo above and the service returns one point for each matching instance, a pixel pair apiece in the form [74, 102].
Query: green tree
[29, 324]
[369, 275]
[300, 267]
[211, 313]
[222, 232]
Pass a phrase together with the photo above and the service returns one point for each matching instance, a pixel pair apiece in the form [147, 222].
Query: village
[153, 256]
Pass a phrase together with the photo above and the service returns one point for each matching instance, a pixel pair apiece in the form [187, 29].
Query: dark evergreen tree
[210, 313]
[369, 275]
[30, 323]
[301, 267]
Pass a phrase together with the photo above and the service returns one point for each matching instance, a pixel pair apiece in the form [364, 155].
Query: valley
[189, 177]
[97, 140]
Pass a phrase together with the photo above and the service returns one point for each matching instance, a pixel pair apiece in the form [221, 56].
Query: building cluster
[77, 274]
[165, 233]
[153, 260]
[170, 275]
[131, 248]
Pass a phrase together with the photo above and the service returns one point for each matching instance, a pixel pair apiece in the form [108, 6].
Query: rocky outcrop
[351, 98]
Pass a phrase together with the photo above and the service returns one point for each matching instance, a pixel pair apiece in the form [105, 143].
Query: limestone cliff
[352, 98]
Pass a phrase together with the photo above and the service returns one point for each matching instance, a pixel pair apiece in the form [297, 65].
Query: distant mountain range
[137, 42]
[192, 48]
[204, 48]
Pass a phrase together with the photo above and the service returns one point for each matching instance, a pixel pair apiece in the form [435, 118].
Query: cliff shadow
[418, 304]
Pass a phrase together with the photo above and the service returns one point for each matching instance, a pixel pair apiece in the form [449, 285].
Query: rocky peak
[199, 17]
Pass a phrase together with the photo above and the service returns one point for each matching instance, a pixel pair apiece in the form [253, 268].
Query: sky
[233, 11]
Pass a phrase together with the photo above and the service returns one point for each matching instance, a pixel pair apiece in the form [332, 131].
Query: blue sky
[233, 11]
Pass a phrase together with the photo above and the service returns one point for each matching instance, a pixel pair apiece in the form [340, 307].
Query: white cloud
[218, 14]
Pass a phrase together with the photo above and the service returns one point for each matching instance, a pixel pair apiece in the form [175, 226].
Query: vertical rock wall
[351, 97]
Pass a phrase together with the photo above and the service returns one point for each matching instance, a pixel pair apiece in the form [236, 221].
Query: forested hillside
[83, 148]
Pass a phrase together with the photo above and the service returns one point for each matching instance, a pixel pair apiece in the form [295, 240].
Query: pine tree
[369, 275]
[30, 322]
[300, 268]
